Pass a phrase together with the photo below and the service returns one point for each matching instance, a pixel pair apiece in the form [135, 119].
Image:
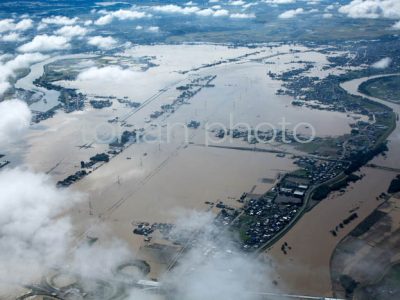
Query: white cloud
[172, 8]
[102, 42]
[121, 14]
[33, 236]
[12, 37]
[248, 5]
[4, 87]
[24, 60]
[327, 16]
[213, 268]
[15, 118]
[8, 68]
[41, 26]
[10, 25]
[104, 20]
[59, 20]
[237, 2]
[396, 25]
[291, 13]
[382, 64]
[5, 56]
[129, 14]
[24, 24]
[36, 235]
[192, 10]
[279, 1]
[71, 31]
[45, 43]
[329, 7]
[205, 12]
[221, 13]
[100, 260]
[154, 29]
[7, 25]
[242, 16]
[107, 74]
[372, 9]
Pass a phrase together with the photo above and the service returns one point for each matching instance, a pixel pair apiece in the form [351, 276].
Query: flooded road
[154, 181]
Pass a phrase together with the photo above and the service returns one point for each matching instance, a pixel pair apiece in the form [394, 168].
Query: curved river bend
[305, 269]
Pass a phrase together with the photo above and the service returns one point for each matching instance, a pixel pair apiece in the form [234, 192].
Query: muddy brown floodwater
[151, 182]
[305, 268]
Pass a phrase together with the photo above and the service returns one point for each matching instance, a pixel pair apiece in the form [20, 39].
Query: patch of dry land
[363, 258]
[306, 267]
[173, 170]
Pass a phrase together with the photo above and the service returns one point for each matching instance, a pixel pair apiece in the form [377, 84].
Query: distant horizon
[199, 150]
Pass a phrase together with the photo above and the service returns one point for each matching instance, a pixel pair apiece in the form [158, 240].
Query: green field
[387, 288]
[386, 88]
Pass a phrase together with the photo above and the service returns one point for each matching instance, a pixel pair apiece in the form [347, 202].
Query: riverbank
[305, 268]
[155, 181]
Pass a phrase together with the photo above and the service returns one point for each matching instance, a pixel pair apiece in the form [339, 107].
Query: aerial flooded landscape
[201, 150]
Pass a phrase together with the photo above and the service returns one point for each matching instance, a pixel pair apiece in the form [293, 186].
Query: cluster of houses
[264, 216]
[193, 124]
[188, 91]
[364, 135]
[146, 229]
[291, 190]
[72, 178]
[320, 171]
[98, 158]
[252, 136]
[71, 100]
[101, 157]
[116, 147]
[129, 103]
[39, 116]
[127, 137]
[262, 219]
[99, 104]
